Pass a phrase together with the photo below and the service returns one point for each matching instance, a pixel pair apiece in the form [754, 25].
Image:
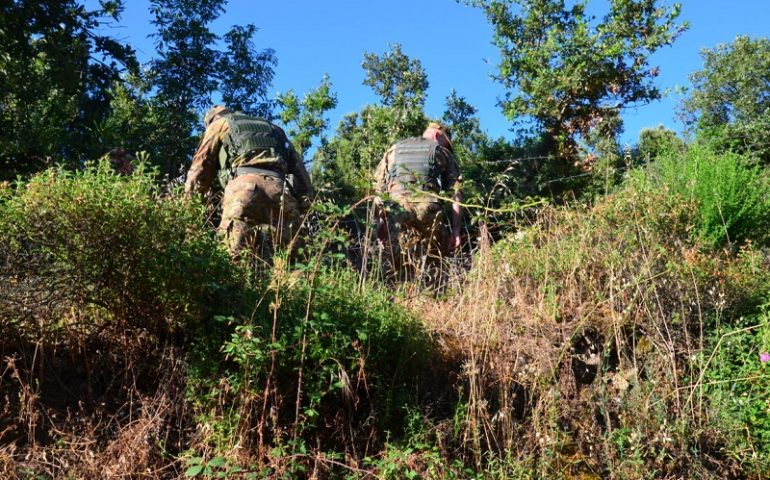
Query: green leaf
[193, 471]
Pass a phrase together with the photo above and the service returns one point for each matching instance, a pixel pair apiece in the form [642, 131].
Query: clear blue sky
[453, 41]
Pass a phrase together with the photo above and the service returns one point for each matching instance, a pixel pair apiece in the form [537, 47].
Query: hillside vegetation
[620, 340]
[607, 316]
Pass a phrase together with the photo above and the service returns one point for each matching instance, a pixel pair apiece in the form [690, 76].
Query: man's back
[234, 140]
[416, 163]
[253, 141]
[412, 172]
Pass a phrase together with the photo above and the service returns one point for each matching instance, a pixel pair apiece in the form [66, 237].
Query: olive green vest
[414, 164]
[252, 141]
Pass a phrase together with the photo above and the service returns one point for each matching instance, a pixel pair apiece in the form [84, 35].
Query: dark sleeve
[450, 168]
[296, 167]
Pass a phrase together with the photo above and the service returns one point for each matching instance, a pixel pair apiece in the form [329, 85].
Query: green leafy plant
[94, 240]
[572, 74]
[216, 467]
[732, 195]
[728, 103]
[738, 385]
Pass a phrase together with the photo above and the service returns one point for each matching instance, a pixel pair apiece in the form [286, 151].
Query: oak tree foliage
[568, 72]
[729, 103]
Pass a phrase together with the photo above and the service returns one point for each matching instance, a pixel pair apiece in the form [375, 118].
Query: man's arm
[457, 216]
[302, 186]
[381, 173]
[205, 162]
[452, 179]
[380, 186]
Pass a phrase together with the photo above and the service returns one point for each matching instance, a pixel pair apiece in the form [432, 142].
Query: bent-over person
[252, 158]
[410, 178]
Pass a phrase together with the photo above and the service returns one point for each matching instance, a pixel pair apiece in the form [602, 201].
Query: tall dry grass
[582, 341]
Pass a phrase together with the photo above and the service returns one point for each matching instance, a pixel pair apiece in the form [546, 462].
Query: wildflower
[764, 357]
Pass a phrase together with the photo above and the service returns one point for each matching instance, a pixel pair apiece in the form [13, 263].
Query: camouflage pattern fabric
[408, 223]
[412, 215]
[251, 201]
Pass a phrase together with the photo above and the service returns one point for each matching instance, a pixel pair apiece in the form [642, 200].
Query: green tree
[139, 122]
[569, 74]
[345, 164]
[397, 79]
[56, 74]
[129, 124]
[654, 142]
[730, 100]
[460, 117]
[188, 70]
[245, 74]
[183, 73]
[305, 118]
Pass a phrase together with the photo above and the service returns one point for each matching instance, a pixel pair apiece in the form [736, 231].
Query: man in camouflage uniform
[408, 179]
[253, 158]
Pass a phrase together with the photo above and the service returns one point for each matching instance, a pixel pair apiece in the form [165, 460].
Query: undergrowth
[621, 340]
[585, 337]
[732, 194]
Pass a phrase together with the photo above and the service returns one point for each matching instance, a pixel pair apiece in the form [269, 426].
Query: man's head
[215, 112]
[121, 159]
[438, 132]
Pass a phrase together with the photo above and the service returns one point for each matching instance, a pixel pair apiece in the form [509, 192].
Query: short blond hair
[441, 127]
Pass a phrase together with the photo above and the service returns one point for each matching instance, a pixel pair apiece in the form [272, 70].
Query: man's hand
[455, 242]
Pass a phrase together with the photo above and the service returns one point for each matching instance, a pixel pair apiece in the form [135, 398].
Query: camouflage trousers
[406, 226]
[253, 202]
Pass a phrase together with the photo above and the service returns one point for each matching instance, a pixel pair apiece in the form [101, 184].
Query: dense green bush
[321, 359]
[731, 194]
[283, 359]
[93, 240]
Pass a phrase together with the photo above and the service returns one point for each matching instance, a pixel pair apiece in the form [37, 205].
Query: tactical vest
[252, 141]
[414, 164]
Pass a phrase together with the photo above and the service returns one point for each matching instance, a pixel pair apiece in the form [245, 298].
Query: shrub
[732, 195]
[92, 240]
[572, 326]
[322, 362]
[737, 383]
